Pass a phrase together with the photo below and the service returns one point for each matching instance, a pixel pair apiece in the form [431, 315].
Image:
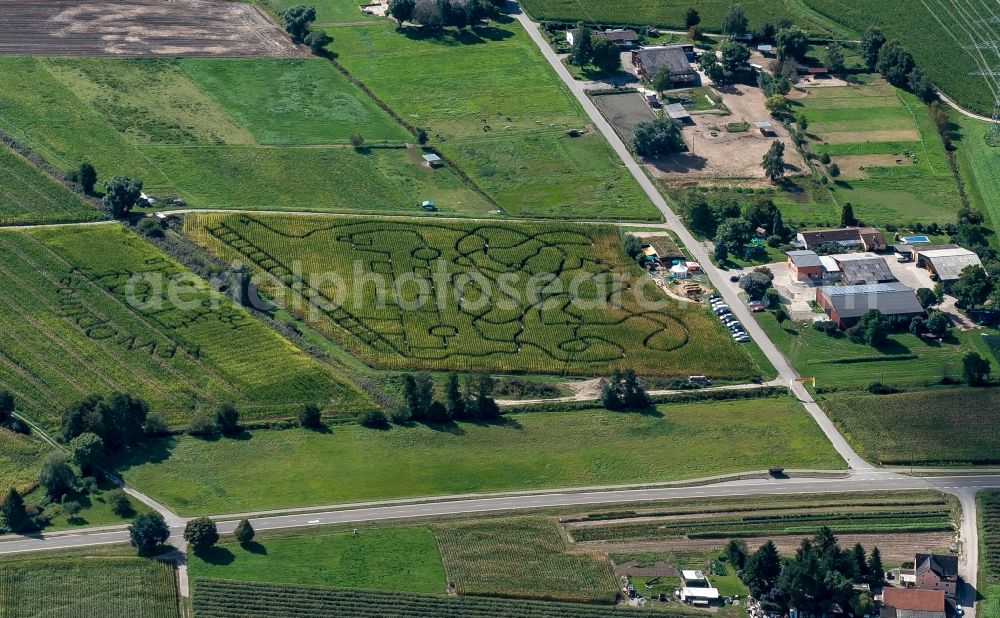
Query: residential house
[910, 603]
[866, 238]
[946, 262]
[649, 60]
[846, 304]
[622, 38]
[936, 573]
[805, 265]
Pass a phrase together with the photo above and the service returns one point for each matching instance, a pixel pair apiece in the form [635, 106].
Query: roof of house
[868, 270]
[949, 263]
[914, 599]
[700, 593]
[618, 36]
[676, 111]
[942, 566]
[690, 574]
[852, 301]
[804, 259]
[830, 265]
[871, 236]
[671, 56]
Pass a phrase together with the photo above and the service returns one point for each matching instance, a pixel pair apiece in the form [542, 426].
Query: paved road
[716, 276]
[875, 480]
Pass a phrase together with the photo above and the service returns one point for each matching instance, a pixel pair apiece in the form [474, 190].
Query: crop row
[226, 599]
[991, 530]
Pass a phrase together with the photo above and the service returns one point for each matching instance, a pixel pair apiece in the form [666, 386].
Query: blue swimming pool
[912, 240]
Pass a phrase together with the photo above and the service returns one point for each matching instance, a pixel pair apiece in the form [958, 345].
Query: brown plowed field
[140, 28]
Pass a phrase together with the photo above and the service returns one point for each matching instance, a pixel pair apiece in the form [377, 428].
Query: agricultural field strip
[431, 335]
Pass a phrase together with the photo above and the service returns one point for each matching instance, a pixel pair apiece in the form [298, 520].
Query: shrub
[56, 475]
[310, 416]
[244, 532]
[833, 170]
[120, 505]
[228, 419]
[155, 426]
[824, 158]
[204, 426]
[401, 415]
[150, 227]
[877, 388]
[374, 419]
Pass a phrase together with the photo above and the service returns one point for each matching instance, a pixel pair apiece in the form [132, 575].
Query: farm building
[767, 50]
[677, 112]
[831, 268]
[432, 160]
[696, 589]
[946, 262]
[909, 603]
[936, 573]
[863, 268]
[648, 60]
[866, 238]
[764, 126]
[622, 38]
[846, 304]
[805, 265]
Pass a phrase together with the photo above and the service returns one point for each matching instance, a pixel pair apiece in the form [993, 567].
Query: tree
[735, 58]
[121, 194]
[486, 407]
[734, 234]
[860, 558]
[927, 297]
[317, 41]
[87, 449]
[147, 532]
[661, 80]
[972, 287]
[766, 32]
[721, 252]
[402, 10]
[776, 104]
[691, 18]
[454, 401]
[56, 475]
[357, 140]
[778, 226]
[657, 138]
[938, 323]
[876, 572]
[583, 48]
[762, 569]
[84, 177]
[428, 14]
[871, 44]
[833, 58]
[698, 214]
[735, 21]
[244, 532]
[624, 391]
[374, 419]
[736, 553]
[774, 161]
[895, 63]
[756, 285]
[709, 63]
[791, 44]
[632, 246]
[201, 532]
[228, 419]
[6, 405]
[847, 218]
[920, 85]
[803, 122]
[606, 56]
[833, 170]
[872, 328]
[118, 500]
[425, 396]
[975, 368]
[15, 514]
[297, 20]
[310, 416]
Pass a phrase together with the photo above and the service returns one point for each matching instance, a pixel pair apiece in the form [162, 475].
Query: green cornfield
[506, 297]
[521, 558]
[81, 315]
[216, 598]
[119, 587]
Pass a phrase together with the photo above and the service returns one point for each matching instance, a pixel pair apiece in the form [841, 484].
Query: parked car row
[725, 315]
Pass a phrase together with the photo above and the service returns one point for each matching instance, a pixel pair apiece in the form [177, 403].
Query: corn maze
[216, 598]
[80, 316]
[541, 298]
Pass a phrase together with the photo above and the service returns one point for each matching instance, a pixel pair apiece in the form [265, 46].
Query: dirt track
[140, 28]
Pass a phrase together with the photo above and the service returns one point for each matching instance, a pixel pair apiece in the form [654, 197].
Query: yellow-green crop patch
[29, 196]
[20, 457]
[89, 310]
[469, 296]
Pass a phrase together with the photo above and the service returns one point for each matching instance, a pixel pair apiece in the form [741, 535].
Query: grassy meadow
[893, 164]
[94, 586]
[28, 196]
[837, 362]
[399, 559]
[490, 100]
[980, 167]
[521, 327]
[940, 426]
[522, 557]
[82, 318]
[539, 450]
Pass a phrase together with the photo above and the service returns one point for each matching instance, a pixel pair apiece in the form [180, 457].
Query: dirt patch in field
[895, 548]
[623, 111]
[713, 153]
[140, 28]
[853, 166]
[632, 569]
[858, 137]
